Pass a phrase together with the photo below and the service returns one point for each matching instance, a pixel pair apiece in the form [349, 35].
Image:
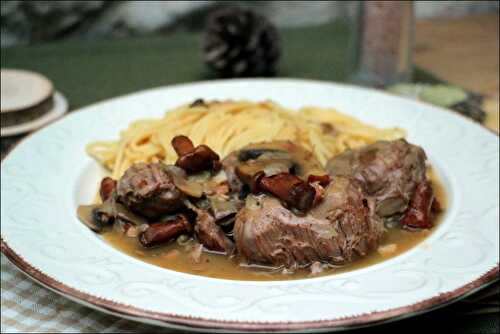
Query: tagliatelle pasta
[229, 125]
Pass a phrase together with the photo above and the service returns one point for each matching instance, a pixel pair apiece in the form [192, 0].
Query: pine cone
[239, 42]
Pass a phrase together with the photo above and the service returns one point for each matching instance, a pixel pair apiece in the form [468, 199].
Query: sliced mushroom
[105, 213]
[251, 153]
[391, 206]
[197, 185]
[246, 171]
[278, 166]
[85, 214]
[201, 177]
[305, 163]
[125, 214]
[222, 207]
[97, 216]
[186, 184]
[251, 180]
[272, 158]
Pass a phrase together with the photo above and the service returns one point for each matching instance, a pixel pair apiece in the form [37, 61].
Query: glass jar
[383, 43]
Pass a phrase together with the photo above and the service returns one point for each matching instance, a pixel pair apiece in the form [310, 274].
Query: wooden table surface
[465, 52]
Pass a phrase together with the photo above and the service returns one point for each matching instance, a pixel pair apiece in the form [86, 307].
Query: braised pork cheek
[388, 170]
[338, 230]
[149, 190]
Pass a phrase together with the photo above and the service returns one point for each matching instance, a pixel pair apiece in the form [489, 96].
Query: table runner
[90, 71]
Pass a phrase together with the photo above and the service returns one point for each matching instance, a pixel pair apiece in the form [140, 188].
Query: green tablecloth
[90, 71]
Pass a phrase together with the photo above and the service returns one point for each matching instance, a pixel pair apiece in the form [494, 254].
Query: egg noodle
[230, 125]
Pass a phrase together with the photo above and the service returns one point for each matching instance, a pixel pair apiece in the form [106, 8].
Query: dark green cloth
[90, 71]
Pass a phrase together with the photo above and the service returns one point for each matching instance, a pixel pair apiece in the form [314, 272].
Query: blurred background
[441, 52]
[25, 22]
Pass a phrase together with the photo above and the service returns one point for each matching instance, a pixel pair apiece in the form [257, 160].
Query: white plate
[49, 174]
[59, 108]
[23, 89]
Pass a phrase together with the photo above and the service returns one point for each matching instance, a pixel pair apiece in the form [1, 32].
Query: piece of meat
[338, 230]
[389, 171]
[149, 190]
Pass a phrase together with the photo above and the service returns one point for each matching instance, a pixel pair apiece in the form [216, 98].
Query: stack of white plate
[28, 102]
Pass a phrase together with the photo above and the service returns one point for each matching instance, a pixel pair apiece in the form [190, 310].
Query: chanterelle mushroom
[194, 159]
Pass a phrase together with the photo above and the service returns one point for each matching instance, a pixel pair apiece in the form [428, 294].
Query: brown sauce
[180, 257]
